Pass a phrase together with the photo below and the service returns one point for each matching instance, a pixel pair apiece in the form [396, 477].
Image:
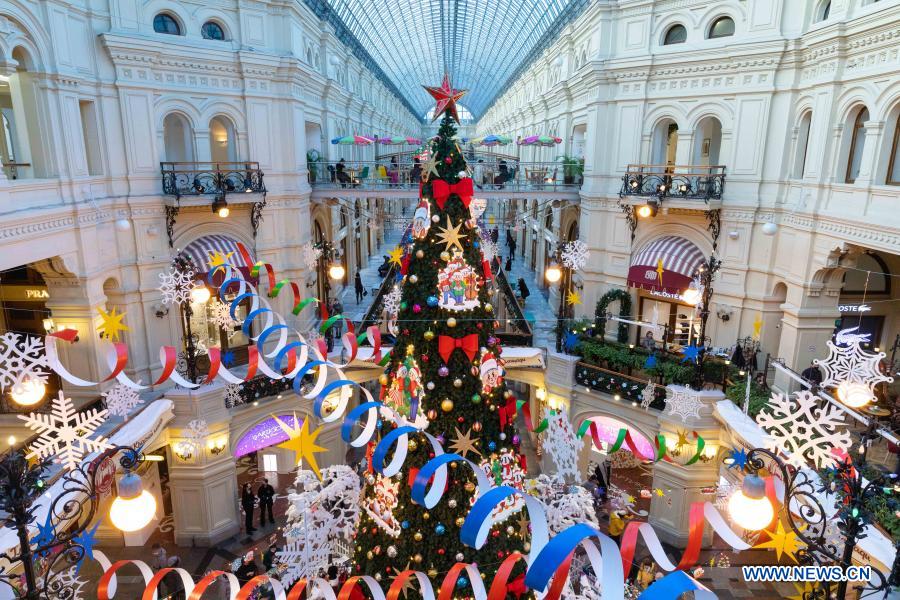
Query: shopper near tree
[266, 495]
[248, 498]
[358, 287]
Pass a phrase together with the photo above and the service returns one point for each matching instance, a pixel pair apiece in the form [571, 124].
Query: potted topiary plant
[312, 158]
[573, 169]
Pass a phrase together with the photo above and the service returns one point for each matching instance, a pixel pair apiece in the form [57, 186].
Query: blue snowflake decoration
[691, 353]
[650, 362]
[571, 341]
[738, 458]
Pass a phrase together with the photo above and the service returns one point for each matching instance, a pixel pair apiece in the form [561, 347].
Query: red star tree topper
[446, 98]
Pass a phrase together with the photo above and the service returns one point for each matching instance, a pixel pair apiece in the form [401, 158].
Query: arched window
[802, 144]
[677, 34]
[893, 174]
[857, 144]
[222, 142]
[721, 27]
[665, 143]
[178, 138]
[212, 31]
[824, 11]
[166, 23]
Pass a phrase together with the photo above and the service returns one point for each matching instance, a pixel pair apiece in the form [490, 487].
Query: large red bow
[441, 191]
[507, 412]
[467, 343]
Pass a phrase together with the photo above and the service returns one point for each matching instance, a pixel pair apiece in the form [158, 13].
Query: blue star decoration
[228, 358]
[691, 353]
[738, 458]
[571, 341]
[86, 540]
[650, 362]
[46, 533]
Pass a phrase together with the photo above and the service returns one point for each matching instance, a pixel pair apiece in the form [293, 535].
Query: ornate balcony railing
[199, 178]
[514, 330]
[691, 182]
[617, 384]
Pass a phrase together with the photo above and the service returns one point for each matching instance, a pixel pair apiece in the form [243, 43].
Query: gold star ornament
[783, 542]
[573, 298]
[302, 442]
[682, 439]
[429, 168]
[217, 259]
[464, 443]
[396, 255]
[410, 584]
[450, 236]
[111, 324]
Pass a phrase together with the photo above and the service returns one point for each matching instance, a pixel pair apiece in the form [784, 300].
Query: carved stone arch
[19, 27]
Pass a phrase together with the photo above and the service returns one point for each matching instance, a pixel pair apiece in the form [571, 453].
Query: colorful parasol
[352, 140]
[539, 140]
[492, 140]
[399, 140]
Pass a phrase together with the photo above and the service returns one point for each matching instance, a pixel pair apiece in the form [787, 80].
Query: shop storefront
[865, 301]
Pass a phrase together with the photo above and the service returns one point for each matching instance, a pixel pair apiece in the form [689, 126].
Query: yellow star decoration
[112, 324]
[430, 167]
[396, 255]
[757, 326]
[408, 585]
[573, 297]
[450, 236]
[682, 439]
[784, 542]
[660, 270]
[302, 442]
[464, 443]
[217, 259]
[524, 523]
[659, 492]
[629, 499]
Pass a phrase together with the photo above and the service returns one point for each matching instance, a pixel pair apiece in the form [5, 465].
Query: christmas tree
[445, 373]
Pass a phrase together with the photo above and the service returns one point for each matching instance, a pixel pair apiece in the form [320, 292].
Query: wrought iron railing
[495, 175]
[691, 182]
[515, 330]
[373, 315]
[206, 178]
[617, 384]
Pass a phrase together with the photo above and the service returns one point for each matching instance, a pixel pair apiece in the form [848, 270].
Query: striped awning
[215, 247]
[666, 265]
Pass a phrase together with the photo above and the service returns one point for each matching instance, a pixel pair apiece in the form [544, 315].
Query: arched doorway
[707, 142]
[665, 143]
[222, 140]
[178, 138]
[622, 470]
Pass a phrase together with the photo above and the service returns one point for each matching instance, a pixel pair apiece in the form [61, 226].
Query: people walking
[248, 499]
[266, 495]
[360, 289]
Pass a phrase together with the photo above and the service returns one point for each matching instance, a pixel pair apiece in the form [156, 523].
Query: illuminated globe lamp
[644, 211]
[336, 271]
[200, 295]
[134, 507]
[691, 296]
[553, 273]
[854, 394]
[29, 392]
[749, 507]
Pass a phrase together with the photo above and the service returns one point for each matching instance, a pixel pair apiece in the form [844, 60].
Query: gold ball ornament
[445, 256]
[460, 521]
[417, 536]
[413, 278]
[432, 573]
[383, 379]
[457, 383]
[369, 555]
[488, 307]
[447, 405]
[470, 487]
[413, 445]
[428, 335]
[451, 322]
[426, 516]
[417, 558]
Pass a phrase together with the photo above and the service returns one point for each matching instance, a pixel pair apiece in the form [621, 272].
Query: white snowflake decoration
[648, 395]
[22, 358]
[121, 400]
[176, 286]
[311, 255]
[304, 556]
[197, 433]
[66, 434]
[848, 362]
[233, 396]
[804, 429]
[683, 402]
[565, 504]
[488, 250]
[575, 255]
[220, 315]
[72, 585]
[392, 301]
[561, 444]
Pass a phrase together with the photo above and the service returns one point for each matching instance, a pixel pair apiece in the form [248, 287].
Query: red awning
[665, 265]
[202, 250]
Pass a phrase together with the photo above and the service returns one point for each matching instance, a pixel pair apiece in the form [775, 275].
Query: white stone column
[670, 514]
[203, 487]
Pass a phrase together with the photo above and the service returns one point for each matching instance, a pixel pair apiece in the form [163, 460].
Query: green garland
[606, 299]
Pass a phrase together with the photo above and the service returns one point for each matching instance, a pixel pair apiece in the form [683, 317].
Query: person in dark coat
[358, 285]
[523, 289]
[508, 265]
[248, 569]
[269, 557]
[512, 248]
[812, 374]
[266, 495]
[495, 235]
[342, 177]
[248, 498]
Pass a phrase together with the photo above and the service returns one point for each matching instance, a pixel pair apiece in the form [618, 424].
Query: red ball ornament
[406, 332]
[448, 160]
[441, 551]
[479, 325]
[424, 358]
[500, 554]
[460, 419]
[495, 533]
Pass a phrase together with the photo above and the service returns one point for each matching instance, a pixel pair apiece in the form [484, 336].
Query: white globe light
[200, 295]
[553, 273]
[769, 228]
[749, 507]
[854, 394]
[336, 271]
[123, 224]
[134, 507]
[691, 295]
[29, 392]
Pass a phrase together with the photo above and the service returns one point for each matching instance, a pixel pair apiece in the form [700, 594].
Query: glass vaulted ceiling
[483, 44]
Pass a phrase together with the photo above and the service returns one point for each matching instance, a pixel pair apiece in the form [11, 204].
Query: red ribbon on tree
[468, 344]
[507, 412]
[441, 191]
[486, 265]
